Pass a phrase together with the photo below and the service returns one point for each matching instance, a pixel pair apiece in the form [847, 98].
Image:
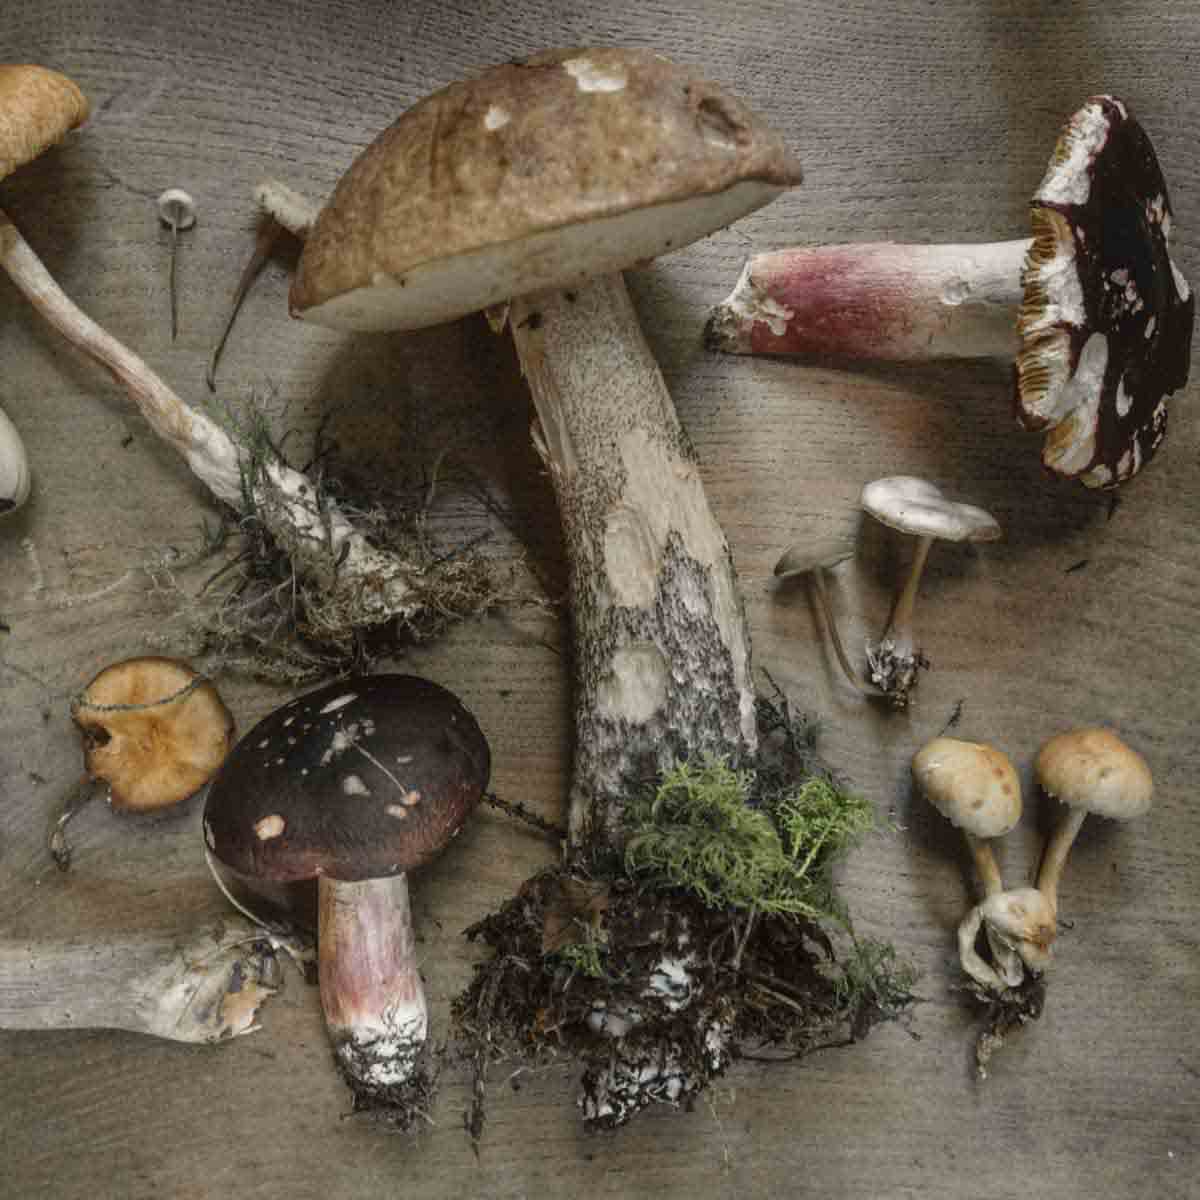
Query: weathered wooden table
[914, 121]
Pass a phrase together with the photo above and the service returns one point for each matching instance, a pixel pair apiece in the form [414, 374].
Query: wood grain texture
[914, 121]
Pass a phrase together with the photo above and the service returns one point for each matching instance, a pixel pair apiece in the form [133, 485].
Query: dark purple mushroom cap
[365, 778]
[1106, 318]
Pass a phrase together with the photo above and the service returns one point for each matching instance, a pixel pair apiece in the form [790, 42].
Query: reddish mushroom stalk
[371, 989]
[875, 300]
[1099, 316]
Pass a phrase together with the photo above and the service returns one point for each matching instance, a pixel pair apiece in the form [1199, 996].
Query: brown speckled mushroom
[1090, 770]
[538, 182]
[1094, 309]
[154, 730]
[356, 784]
[917, 507]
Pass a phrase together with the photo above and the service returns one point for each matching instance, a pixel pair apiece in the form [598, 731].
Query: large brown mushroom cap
[535, 174]
[365, 778]
[38, 107]
[1106, 319]
[154, 730]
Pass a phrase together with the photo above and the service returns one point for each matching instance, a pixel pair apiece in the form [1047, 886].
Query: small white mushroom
[915, 506]
[14, 467]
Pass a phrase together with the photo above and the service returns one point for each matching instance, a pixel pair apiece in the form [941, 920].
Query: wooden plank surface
[915, 121]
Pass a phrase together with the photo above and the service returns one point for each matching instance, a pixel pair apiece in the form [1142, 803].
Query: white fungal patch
[342, 740]
[1124, 401]
[411, 799]
[636, 686]
[1071, 445]
[269, 827]
[352, 785]
[1151, 326]
[264, 743]
[339, 702]
[590, 78]
[495, 118]
[404, 759]
[289, 720]
[1181, 284]
[752, 305]
[1069, 181]
[397, 810]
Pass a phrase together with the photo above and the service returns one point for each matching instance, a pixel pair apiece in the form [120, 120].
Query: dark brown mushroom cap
[153, 729]
[368, 777]
[38, 107]
[534, 174]
[1106, 319]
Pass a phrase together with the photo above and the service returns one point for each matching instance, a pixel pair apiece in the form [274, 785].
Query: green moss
[709, 830]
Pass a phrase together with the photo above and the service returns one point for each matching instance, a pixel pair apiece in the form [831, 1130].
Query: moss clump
[701, 939]
[709, 830]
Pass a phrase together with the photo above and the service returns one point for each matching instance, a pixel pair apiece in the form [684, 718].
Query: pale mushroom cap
[1021, 915]
[802, 558]
[916, 506]
[1094, 770]
[533, 175]
[38, 107]
[973, 785]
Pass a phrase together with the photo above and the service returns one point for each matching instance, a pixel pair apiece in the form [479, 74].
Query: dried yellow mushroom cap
[973, 785]
[1094, 770]
[154, 730]
[38, 107]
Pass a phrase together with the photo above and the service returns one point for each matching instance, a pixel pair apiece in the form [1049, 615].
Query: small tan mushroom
[1090, 770]
[154, 730]
[977, 789]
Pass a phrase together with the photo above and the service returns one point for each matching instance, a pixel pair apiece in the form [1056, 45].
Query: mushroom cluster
[977, 788]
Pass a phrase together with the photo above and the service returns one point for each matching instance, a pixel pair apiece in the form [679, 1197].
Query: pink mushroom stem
[875, 300]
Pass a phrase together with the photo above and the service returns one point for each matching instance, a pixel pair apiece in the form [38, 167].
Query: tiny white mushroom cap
[14, 467]
[916, 506]
[1093, 770]
[973, 785]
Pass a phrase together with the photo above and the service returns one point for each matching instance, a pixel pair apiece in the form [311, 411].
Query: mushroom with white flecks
[1093, 307]
[537, 182]
[917, 507]
[1090, 770]
[356, 785]
[154, 730]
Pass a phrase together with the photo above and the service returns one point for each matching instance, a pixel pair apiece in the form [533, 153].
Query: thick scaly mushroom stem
[662, 651]
[321, 541]
[205, 989]
[1055, 856]
[371, 987]
[880, 300]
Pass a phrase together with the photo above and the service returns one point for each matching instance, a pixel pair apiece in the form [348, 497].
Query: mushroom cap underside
[916, 506]
[973, 785]
[368, 777]
[1106, 319]
[38, 108]
[154, 730]
[536, 174]
[1095, 770]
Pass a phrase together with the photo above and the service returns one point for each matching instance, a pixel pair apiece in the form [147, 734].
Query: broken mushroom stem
[322, 542]
[206, 986]
[875, 300]
[283, 210]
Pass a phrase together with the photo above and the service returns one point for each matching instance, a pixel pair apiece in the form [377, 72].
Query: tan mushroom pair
[976, 787]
